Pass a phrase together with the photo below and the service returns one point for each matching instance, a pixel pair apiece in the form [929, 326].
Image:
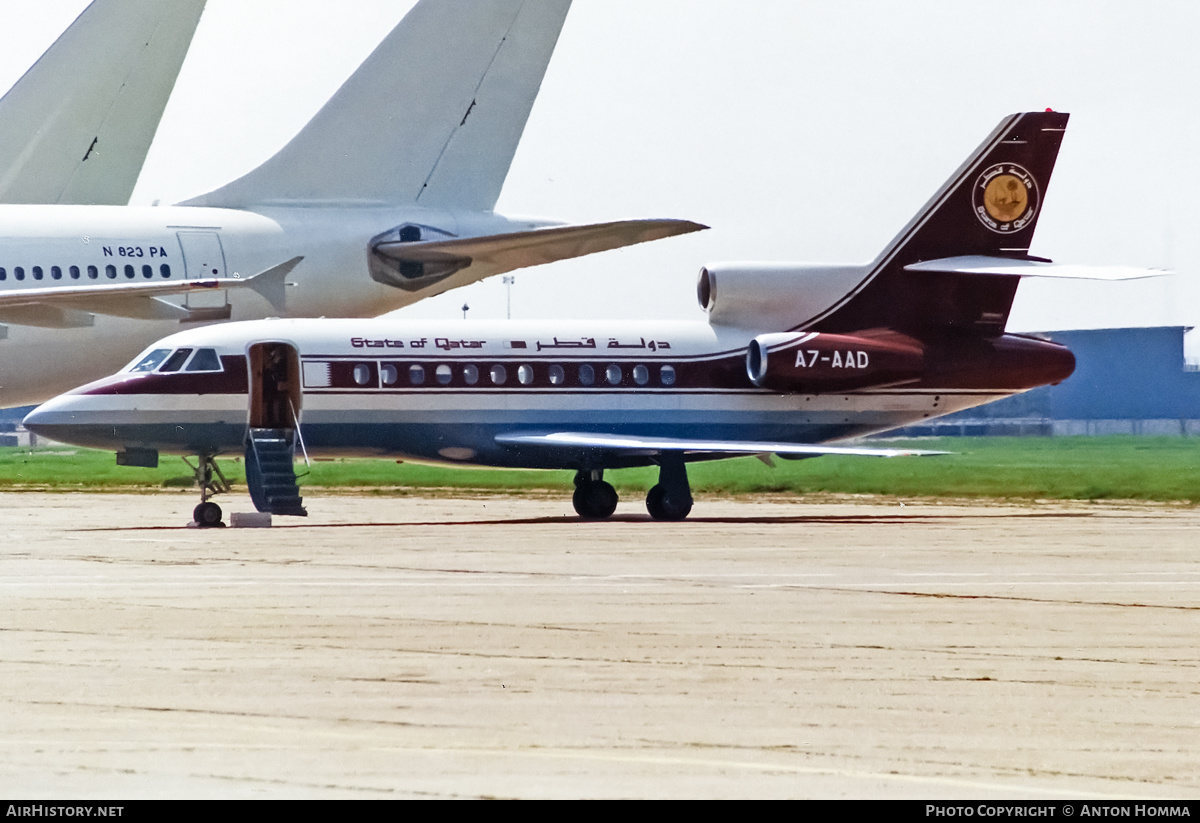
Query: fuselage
[447, 390]
[70, 246]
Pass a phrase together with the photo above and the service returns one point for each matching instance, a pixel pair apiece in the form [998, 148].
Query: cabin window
[74, 272]
[470, 375]
[37, 272]
[93, 272]
[150, 361]
[444, 374]
[204, 360]
[587, 375]
[175, 361]
[147, 271]
[110, 271]
[164, 270]
[129, 270]
[557, 375]
[19, 272]
[389, 374]
[613, 375]
[525, 375]
[498, 374]
[666, 375]
[3, 273]
[641, 375]
[416, 374]
[362, 374]
[55, 273]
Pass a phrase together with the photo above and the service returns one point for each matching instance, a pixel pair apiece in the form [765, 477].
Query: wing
[649, 446]
[1003, 266]
[72, 306]
[413, 266]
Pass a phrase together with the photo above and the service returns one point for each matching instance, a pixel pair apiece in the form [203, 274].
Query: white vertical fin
[432, 116]
[76, 128]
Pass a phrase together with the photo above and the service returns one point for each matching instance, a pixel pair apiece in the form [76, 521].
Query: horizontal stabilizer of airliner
[432, 117]
[413, 266]
[631, 445]
[67, 306]
[1015, 267]
[78, 124]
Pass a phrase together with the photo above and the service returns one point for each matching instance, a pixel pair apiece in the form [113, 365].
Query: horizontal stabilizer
[65, 306]
[414, 266]
[78, 125]
[648, 446]
[1003, 266]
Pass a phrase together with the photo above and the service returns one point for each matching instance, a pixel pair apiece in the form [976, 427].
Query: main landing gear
[207, 514]
[670, 499]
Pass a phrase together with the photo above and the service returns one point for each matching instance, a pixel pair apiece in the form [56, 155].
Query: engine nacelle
[815, 363]
[773, 295]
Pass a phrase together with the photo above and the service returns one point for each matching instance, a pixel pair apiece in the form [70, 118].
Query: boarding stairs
[270, 472]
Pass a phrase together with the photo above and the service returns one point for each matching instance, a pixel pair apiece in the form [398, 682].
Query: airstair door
[274, 421]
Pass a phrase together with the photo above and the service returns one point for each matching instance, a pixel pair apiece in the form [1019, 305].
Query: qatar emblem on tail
[791, 359]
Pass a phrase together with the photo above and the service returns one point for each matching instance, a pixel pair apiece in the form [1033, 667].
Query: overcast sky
[807, 131]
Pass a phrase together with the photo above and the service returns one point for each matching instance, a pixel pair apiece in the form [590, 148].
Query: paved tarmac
[497, 647]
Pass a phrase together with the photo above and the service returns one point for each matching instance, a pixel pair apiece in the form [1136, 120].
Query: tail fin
[433, 116]
[78, 124]
[989, 207]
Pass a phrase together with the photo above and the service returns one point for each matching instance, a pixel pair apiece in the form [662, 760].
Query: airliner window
[110, 271]
[19, 273]
[499, 374]
[444, 374]
[389, 374]
[93, 272]
[667, 375]
[129, 271]
[37, 272]
[587, 375]
[557, 375]
[56, 272]
[3, 273]
[175, 361]
[525, 375]
[641, 375]
[151, 361]
[164, 270]
[147, 271]
[613, 375]
[470, 375]
[74, 272]
[362, 374]
[204, 360]
[416, 374]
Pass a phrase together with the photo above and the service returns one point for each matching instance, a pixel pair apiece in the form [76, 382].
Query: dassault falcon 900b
[791, 358]
[385, 197]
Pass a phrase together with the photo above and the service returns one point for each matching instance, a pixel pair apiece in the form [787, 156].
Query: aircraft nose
[60, 419]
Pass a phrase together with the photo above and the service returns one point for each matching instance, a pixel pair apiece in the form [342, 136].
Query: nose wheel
[207, 515]
[594, 499]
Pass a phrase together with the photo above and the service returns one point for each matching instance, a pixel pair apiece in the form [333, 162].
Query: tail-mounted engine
[772, 295]
[814, 363]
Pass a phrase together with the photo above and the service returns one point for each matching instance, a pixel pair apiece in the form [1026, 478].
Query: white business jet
[792, 358]
[385, 197]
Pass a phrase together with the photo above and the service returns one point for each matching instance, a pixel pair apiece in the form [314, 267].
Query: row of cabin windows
[585, 375]
[168, 360]
[92, 272]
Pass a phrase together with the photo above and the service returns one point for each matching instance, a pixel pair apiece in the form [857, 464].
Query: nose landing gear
[207, 515]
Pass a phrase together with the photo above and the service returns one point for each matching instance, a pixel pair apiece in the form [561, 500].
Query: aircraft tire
[663, 506]
[207, 515]
[595, 501]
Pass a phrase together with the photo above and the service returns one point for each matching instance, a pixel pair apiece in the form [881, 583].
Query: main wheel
[665, 506]
[595, 501]
[207, 515]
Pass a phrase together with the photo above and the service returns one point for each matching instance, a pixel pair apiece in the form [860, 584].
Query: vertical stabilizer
[76, 128]
[433, 116]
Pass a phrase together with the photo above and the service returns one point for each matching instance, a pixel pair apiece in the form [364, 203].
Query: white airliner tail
[432, 117]
[76, 128]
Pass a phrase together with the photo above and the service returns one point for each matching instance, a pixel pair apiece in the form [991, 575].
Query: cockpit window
[175, 361]
[150, 361]
[204, 360]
